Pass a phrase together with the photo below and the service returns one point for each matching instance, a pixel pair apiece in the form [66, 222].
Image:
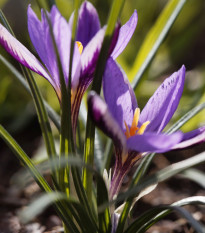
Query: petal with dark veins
[125, 34]
[22, 54]
[163, 104]
[118, 94]
[88, 23]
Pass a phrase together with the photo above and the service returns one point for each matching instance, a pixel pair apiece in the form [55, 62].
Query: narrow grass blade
[160, 176]
[195, 175]
[107, 155]
[99, 153]
[69, 118]
[66, 143]
[45, 4]
[23, 157]
[113, 17]
[97, 82]
[26, 161]
[77, 211]
[155, 38]
[38, 205]
[189, 115]
[102, 197]
[142, 168]
[51, 3]
[51, 113]
[75, 172]
[149, 218]
[40, 107]
[164, 174]
[43, 120]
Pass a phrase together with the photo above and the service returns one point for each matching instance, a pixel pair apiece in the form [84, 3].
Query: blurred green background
[184, 44]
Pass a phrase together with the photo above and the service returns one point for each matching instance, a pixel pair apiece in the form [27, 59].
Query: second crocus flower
[133, 133]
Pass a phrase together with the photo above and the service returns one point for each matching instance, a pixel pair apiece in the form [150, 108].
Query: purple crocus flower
[88, 44]
[135, 134]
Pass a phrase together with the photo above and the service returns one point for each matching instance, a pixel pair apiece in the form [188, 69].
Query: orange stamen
[134, 130]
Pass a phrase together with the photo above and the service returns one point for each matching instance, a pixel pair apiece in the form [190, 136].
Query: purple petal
[88, 23]
[162, 105]
[103, 119]
[82, 78]
[152, 142]
[78, 88]
[62, 35]
[22, 54]
[90, 55]
[37, 31]
[76, 67]
[191, 138]
[118, 94]
[41, 38]
[125, 34]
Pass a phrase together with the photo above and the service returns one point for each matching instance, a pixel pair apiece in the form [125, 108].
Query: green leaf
[160, 176]
[45, 4]
[27, 162]
[23, 157]
[107, 155]
[66, 143]
[51, 3]
[142, 168]
[69, 117]
[189, 115]
[38, 205]
[195, 175]
[77, 211]
[99, 152]
[51, 113]
[102, 197]
[150, 217]
[96, 86]
[40, 107]
[155, 38]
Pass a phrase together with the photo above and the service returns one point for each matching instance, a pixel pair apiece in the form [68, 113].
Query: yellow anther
[134, 130]
[136, 118]
[143, 127]
[80, 46]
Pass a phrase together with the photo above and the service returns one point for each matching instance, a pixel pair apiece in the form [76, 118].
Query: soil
[14, 198]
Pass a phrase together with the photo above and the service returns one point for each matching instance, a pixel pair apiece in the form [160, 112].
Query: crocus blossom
[89, 40]
[135, 134]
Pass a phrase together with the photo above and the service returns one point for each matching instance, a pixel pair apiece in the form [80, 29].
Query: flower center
[80, 46]
[134, 130]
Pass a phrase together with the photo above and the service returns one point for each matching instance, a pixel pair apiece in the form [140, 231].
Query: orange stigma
[80, 46]
[134, 130]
